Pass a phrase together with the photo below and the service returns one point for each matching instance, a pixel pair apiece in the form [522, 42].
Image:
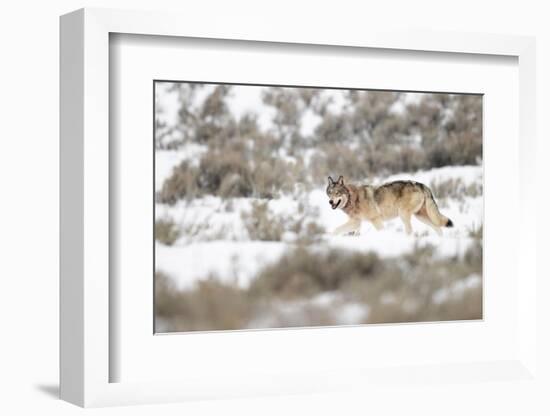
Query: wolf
[378, 204]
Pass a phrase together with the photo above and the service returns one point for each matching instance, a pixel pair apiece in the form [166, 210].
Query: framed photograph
[270, 213]
[252, 232]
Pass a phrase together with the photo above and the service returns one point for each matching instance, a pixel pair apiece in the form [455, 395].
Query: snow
[352, 313]
[232, 262]
[393, 243]
[412, 98]
[167, 104]
[398, 107]
[309, 122]
[406, 99]
[337, 99]
[248, 99]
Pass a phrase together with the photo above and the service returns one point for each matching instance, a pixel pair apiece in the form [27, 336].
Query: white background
[29, 208]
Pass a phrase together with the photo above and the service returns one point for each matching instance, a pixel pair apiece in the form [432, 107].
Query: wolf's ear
[341, 180]
[330, 181]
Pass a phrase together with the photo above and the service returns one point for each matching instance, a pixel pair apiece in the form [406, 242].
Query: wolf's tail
[433, 211]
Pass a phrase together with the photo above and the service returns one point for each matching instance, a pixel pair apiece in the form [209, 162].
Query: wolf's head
[337, 193]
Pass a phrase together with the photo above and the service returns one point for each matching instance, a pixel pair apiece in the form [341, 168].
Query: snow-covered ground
[231, 261]
[215, 242]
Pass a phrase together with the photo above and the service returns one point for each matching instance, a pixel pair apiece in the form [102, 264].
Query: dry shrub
[289, 109]
[167, 297]
[166, 231]
[220, 172]
[229, 172]
[333, 129]
[211, 305]
[461, 149]
[455, 188]
[395, 159]
[407, 308]
[181, 184]
[390, 131]
[264, 225]
[303, 273]
[364, 162]
[414, 287]
[304, 226]
[214, 132]
[339, 159]
[225, 167]
[213, 121]
[369, 109]
[450, 127]
[261, 224]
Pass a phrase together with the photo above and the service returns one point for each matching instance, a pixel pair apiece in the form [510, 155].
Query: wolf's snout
[334, 204]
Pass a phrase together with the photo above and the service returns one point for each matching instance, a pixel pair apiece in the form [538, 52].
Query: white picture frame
[86, 357]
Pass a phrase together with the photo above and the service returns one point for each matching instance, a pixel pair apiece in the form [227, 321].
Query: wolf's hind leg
[426, 220]
[352, 226]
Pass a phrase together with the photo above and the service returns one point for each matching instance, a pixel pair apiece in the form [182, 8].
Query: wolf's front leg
[352, 226]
